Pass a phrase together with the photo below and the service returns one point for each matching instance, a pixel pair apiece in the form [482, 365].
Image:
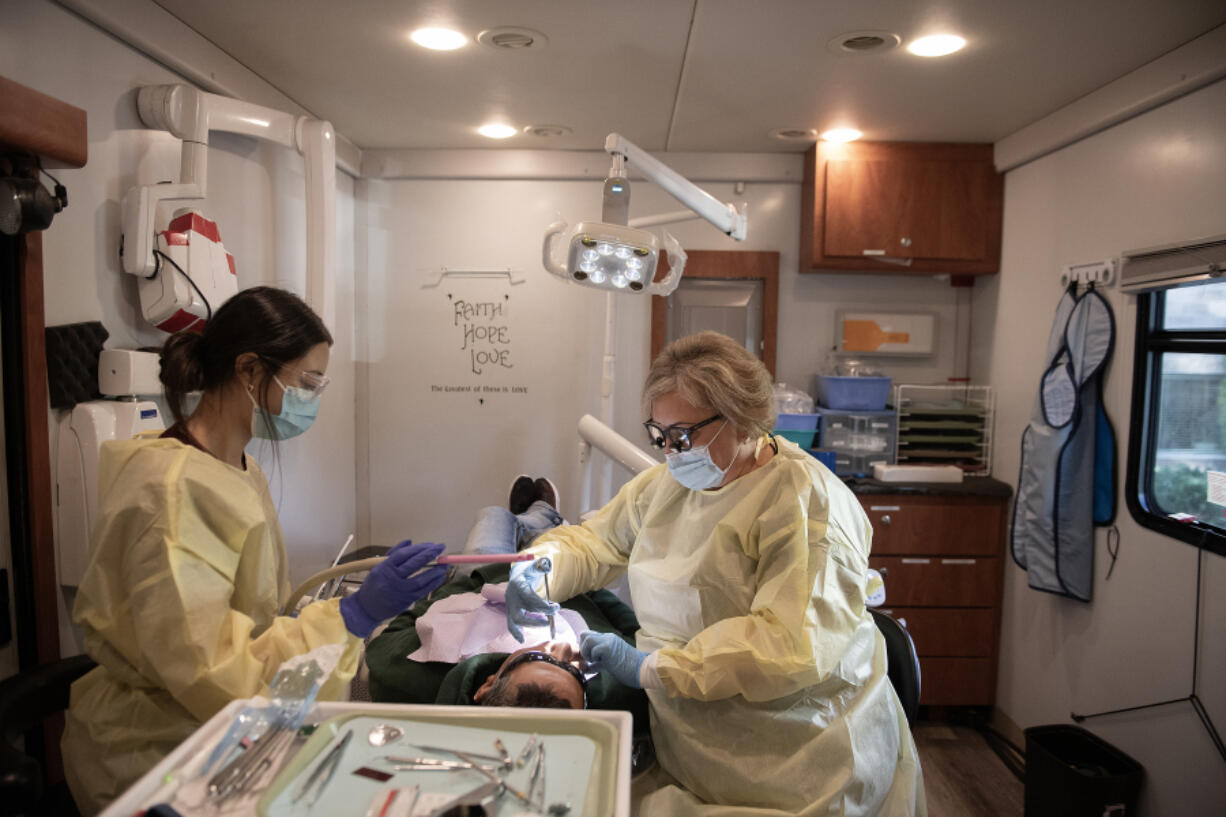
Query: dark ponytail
[274, 324]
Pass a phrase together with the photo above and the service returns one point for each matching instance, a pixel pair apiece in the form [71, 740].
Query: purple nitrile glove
[391, 588]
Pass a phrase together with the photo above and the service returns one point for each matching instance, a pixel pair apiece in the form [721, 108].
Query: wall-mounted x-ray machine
[184, 269]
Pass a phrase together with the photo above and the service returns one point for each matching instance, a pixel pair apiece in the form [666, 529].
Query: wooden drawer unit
[938, 581]
[930, 525]
[957, 681]
[957, 632]
[942, 558]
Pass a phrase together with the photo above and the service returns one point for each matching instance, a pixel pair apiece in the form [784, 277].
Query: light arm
[724, 216]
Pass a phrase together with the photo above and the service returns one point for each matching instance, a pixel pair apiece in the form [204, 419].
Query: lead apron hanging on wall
[1067, 479]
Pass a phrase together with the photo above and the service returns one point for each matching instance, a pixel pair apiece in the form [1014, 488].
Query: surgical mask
[694, 468]
[298, 411]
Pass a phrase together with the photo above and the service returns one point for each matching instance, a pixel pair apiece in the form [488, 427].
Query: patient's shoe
[523, 494]
[547, 492]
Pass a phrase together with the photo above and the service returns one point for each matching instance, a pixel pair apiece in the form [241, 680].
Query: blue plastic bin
[865, 393]
[826, 458]
[796, 422]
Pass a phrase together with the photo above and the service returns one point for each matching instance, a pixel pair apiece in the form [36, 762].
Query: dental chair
[902, 664]
[25, 700]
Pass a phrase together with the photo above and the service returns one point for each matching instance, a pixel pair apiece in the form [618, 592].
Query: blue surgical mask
[694, 468]
[298, 411]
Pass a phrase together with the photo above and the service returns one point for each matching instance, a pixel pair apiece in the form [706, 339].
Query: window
[1178, 436]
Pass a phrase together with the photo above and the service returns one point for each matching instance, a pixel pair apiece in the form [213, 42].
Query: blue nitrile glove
[391, 588]
[524, 607]
[606, 652]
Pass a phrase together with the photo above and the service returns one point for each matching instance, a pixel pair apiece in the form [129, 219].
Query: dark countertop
[971, 486]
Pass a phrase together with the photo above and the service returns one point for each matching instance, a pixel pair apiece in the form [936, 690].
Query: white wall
[255, 195]
[434, 458]
[1154, 179]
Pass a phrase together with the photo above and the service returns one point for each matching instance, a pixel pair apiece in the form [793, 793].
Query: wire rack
[946, 425]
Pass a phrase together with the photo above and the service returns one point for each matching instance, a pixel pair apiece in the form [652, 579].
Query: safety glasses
[529, 657]
[677, 436]
[313, 383]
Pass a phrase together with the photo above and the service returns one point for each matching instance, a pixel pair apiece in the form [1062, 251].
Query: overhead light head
[614, 258]
[26, 206]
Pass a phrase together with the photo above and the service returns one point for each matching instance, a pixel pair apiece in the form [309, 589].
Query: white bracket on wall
[477, 272]
[1101, 273]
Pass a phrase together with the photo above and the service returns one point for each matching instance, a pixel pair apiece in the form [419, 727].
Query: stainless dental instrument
[494, 778]
[444, 750]
[527, 750]
[325, 767]
[507, 763]
[383, 734]
[545, 566]
[424, 763]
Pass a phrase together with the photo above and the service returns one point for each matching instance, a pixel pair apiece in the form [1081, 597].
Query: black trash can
[1073, 773]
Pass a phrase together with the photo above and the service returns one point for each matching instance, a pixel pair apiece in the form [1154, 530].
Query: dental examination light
[613, 254]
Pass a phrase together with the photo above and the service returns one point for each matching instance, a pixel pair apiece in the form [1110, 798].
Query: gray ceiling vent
[547, 131]
[795, 134]
[512, 38]
[864, 42]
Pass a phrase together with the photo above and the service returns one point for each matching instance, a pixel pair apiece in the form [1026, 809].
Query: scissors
[327, 768]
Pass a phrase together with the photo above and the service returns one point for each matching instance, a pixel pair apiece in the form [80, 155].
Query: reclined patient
[474, 660]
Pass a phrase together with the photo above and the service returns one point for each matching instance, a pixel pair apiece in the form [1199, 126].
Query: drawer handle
[885, 520]
[958, 561]
[917, 561]
[875, 508]
[884, 571]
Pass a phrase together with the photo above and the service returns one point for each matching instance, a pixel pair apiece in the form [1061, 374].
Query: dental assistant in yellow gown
[187, 570]
[747, 563]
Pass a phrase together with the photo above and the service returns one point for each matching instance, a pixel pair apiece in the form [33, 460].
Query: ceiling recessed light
[937, 45]
[794, 134]
[863, 42]
[513, 38]
[841, 135]
[438, 39]
[496, 130]
[547, 131]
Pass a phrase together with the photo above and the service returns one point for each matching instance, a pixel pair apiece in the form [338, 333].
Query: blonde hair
[712, 370]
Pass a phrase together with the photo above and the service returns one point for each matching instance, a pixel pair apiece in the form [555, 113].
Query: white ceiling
[690, 75]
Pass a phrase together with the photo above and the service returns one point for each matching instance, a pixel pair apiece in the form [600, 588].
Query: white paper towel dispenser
[82, 433]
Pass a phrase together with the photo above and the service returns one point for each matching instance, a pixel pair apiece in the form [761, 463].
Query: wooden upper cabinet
[899, 207]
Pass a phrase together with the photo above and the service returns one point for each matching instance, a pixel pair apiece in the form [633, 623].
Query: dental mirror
[383, 734]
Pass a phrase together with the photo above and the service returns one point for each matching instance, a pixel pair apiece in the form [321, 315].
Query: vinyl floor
[963, 777]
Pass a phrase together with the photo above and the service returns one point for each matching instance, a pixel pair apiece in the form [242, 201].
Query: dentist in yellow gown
[747, 563]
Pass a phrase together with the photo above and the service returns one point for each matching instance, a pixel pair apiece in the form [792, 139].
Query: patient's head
[543, 675]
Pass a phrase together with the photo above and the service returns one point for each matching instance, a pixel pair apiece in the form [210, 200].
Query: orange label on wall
[867, 336]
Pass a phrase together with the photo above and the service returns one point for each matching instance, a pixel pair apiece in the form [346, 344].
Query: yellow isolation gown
[187, 572]
[775, 698]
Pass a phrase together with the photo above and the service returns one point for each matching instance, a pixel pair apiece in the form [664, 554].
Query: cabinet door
[906, 209]
[901, 207]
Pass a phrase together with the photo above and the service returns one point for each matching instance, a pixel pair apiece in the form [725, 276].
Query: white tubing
[614, 445]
